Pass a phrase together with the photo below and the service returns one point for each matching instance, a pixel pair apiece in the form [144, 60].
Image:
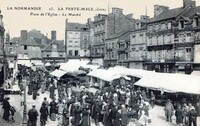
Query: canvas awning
[168, 82]
[58, 73]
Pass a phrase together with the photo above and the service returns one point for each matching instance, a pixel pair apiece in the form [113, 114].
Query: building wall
[111, 55]
[138, 45]
[31, 51]
[136, 65]
[84, 43]
[73, 43]
[53, 54]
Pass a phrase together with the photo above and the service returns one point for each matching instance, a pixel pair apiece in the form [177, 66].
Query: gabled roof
[35, 34]
[123, 34]
[192, 11]
[167, 14]
[31, 42]
[76, 27]
[59, 43]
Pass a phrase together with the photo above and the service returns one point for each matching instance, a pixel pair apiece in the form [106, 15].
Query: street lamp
[25, 122]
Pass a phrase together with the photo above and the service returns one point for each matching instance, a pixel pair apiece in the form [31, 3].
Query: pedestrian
[185, 113]
[6, 107]
[124, 116]
[85, 118]
[53, 110]
[77, 114]
[43, 114]
[192, 117]
[179, 116]
[43, 87]
[143, 120]
[46, 102]
[35, 89]
[52, 91]
[169, 109]
[32, 116]
[152, 99]
[65, 116]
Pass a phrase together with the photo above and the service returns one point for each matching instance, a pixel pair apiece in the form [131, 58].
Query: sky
[16, 20]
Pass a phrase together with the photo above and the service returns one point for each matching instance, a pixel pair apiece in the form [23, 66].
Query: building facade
[54, 52]
[77, 40]
[170, 38]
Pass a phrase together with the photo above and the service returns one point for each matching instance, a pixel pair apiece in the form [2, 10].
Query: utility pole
[2, 31]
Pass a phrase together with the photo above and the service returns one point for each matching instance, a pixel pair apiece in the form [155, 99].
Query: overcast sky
[16, 20]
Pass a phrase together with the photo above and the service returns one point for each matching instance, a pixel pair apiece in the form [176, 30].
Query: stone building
[170, 38]
[54, 52]
[116, 49]
[77, 40]
[106, 26]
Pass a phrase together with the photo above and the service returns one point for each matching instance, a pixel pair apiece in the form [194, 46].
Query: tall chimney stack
[53, 35]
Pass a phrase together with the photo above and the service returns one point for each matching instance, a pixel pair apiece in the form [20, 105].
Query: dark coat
[77, 116]
[32, 114]
[85, 118]
[65, 117]
[107, 120]
[44, 113]
[53, 107]
[193, 115]
[179, 116]
[6, 106]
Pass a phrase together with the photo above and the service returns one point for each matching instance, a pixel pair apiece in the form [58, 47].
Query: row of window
[100, 27]
[160, 40]
[110, 55]
[73, 35]
[138, 38]
[160, 26]
[99, 38]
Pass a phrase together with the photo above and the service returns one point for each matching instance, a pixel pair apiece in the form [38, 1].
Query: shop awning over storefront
[166, 82]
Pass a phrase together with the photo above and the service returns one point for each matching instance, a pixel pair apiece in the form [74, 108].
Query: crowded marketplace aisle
[157, 113]
[112, 100]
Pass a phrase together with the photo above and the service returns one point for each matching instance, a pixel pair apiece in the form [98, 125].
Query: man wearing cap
[32, 116]
[169, 108]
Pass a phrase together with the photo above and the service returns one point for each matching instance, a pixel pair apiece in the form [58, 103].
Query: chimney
[158, 9]
[53, 35]
[191, 3]
[144, 17]
[24, 35]
[117, 10]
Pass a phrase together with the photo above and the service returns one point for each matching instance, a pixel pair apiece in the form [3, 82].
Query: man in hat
[6, 106]
[169, 109]
[32, 116]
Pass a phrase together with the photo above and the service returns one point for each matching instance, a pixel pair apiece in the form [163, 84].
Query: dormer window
[181, 24]
[196, 22]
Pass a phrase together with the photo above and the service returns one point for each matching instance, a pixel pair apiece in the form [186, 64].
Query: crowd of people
[112, 105]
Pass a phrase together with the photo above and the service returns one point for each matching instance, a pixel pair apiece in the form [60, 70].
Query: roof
[59, 43]
[35, 34]
[192, 11]
[15, 39]
[76, 27]
[173, 13]
[31, 42]
[167, 14]
[123, 34]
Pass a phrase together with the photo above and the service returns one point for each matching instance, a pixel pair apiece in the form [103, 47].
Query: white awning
[169, 82]
[58, 73]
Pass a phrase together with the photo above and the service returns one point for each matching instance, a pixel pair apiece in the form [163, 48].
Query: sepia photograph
[100, 63]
